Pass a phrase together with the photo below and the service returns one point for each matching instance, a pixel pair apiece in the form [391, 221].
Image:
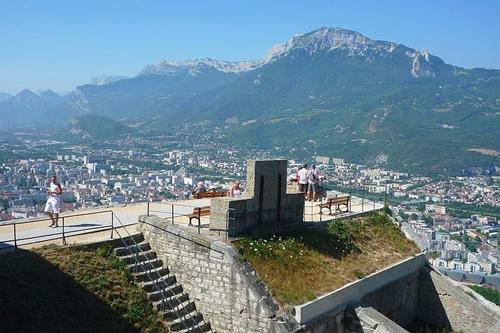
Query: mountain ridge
[365, 100]
[322, 39]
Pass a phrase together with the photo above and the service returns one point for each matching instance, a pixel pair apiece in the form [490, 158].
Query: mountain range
[330, 92]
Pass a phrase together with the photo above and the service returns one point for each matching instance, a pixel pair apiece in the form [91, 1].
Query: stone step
[140, 247]
[152, 274]
[145, 265]
[172, 303]
[138, 238]
[162, 283]
[141, 256]
[201, 327]
[161, 288]
[185, 323]
[168, 292]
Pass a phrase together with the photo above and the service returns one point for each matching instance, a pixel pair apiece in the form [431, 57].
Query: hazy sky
[61, 44]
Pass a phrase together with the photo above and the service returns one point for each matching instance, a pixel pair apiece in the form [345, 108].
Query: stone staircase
[163, 291]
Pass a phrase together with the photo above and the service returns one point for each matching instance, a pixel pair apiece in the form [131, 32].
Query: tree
[429, 221]
[472, 247]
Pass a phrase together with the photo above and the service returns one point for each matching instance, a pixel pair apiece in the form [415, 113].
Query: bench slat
[202, 211]
[336, 201]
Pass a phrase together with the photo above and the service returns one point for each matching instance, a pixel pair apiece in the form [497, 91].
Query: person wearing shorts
[312, 180]
[53, 205]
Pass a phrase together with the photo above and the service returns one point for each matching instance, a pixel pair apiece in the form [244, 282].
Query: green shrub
[490, 294]
[341, 231]
[379, 219]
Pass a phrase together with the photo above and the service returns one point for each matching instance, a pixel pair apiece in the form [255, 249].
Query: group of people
[234, 189]
[308, 180]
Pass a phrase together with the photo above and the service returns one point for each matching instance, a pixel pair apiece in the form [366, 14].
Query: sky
[62, 44]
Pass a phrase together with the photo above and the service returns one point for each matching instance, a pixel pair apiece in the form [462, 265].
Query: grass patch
[490, 294]
[67, 289]
[302, 265]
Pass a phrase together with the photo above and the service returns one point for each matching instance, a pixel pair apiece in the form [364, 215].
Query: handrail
[73, 233]
[137, 262]
[11, 222]
[60, 235]
[196, 211]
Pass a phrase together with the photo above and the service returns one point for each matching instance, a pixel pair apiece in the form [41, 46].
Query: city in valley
[454, 219]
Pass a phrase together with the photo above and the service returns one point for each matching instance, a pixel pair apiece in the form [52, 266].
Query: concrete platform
[357, 206]
[84, 228]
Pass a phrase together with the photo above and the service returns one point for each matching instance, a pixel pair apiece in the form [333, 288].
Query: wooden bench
[198, 212]
[203, 195]
[336, 202]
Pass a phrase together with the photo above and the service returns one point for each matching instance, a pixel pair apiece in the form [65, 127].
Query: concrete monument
[264, 205]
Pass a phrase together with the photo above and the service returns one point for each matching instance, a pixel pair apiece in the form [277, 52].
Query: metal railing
[63, 234]
[358, 203]
[174, 215]
[154, 276]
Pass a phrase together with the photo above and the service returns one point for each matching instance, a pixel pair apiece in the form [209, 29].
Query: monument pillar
[265, 204]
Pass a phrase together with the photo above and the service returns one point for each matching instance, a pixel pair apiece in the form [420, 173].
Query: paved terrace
[96, 224]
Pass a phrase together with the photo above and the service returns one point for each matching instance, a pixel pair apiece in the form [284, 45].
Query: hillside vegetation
[97, 127]
[491, 294]
[300, 266]
[65, 289]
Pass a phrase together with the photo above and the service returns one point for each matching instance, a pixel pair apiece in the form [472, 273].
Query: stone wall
[225, 290]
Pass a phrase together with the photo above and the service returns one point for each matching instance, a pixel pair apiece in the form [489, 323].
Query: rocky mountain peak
[194, 67]
[320, 41]
[328, 39]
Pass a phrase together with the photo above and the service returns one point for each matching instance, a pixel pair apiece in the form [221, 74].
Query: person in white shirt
[302, 180]
[235, 190]
[53, 205]
[312, 179]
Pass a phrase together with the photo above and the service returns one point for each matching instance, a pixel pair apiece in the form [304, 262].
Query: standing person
[302, 180]
[312, 181]
[53, 205]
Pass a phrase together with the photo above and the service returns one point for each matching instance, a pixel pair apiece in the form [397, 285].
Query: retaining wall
[354, 292]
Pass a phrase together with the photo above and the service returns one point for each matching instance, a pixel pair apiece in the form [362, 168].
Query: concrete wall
[369, 320]
[397, 300]
[225, 289]
[354, 292]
